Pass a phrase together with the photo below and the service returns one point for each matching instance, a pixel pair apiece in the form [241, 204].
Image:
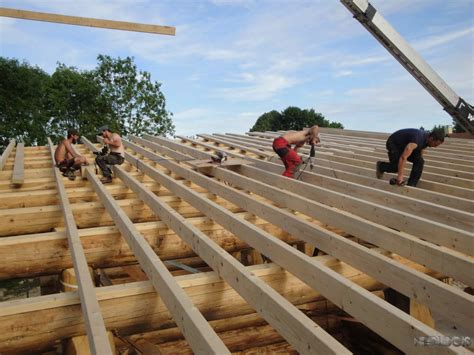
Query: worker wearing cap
[115, 157]
[289, 156]
[408, 145]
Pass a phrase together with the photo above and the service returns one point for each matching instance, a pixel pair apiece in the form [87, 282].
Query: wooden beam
[194, 326]
[293, 325]
[19, 168]
[136, 307]
[86, 21]
[6, 153]
[420, 194]
[96, 332]
[47, 253]
[378, 315]
[433, 231]
[405, 280]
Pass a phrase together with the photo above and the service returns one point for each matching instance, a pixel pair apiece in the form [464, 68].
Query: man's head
[73, 134]
[104, 131]
[435, 138]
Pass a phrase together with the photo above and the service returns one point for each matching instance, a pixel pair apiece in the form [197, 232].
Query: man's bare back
[307, 135]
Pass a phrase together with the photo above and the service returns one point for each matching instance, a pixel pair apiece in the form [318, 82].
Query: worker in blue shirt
[408, 144]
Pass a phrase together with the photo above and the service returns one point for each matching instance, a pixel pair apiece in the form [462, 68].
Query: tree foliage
[292, 118]
[35, 105]
[138, 104]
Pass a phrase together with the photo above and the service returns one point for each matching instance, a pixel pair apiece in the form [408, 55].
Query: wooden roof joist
[294, 261]
[18, 175]
[326, 177]
[96, 332]
[360, 257]
[136, 307]
[463, 187]
[6, 153]
[446, 235]
[294, 326]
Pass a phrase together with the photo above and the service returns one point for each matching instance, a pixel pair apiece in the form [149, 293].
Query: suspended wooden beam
[6, 153]
[19, 168]
[193, 325]
[96, 331]
[86, 21]
[377, 314]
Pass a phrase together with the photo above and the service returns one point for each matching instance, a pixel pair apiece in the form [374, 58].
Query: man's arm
[403, 159]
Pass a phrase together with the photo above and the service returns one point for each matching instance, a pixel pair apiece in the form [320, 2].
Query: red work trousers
[287, 155]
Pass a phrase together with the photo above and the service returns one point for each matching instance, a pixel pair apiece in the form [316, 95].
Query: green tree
[75, 101]
[292, 118]
[137, 102]
[265, 121]
[23, 109]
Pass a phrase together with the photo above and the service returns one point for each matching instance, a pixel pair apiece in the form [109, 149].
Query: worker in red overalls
[282, 146]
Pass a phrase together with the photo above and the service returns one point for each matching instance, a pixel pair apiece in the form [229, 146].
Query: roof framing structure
[165, 204]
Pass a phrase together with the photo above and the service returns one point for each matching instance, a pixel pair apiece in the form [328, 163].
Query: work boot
[106, 180]
[378, 172]
[70, 175]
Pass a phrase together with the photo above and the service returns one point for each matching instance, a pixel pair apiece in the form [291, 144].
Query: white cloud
[342, 73]
[435, 41]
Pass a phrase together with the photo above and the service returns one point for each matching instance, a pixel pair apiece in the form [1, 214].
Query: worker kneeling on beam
[67, 160]
[289, 156]
[408, 144]
[116, 156]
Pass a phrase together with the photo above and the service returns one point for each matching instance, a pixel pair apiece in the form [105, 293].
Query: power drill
[312, 153]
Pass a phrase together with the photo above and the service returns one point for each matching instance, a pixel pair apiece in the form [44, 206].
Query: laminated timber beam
[96, 332]
[411, 205]
[86, 21]
[433, 231]
[377, 314]
[442, 259]
[6, 153]
[136, 307]
[300, 331]
[432, 172]
[19, 168]
[407, 281]
[463, 189]
[324, 174]
[193, 325]
[47, 253]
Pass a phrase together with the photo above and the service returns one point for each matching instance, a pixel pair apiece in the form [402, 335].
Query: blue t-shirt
[403, 137]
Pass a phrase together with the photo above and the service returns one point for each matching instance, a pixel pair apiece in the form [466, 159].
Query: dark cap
[102, 129]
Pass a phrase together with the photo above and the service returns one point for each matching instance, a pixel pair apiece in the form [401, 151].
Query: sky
[233, 60]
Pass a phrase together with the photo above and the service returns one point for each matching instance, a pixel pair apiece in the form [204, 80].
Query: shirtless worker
[115, 157]
[289, 156]
[67, 160]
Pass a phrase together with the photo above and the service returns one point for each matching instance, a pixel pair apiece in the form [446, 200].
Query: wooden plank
[19, 168]
[96, 331]
[193, 325]
[86, 21]
[420, 194]
[294, 326]
[405, 280]
[463, 187]
[433, 231]
[136, 307]
[381, 317]
[6, 153]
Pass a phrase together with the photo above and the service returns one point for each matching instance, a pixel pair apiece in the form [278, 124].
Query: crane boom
[457, 107]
